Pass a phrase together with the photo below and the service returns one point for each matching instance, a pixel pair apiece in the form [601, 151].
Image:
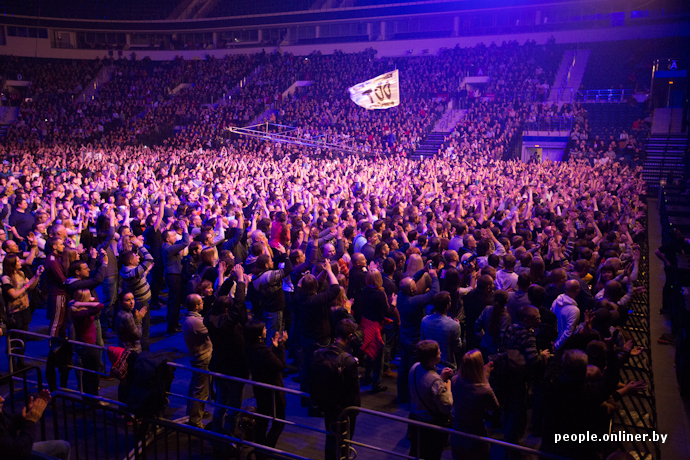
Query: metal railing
[11, 347]
[273, 388]
[110, 431]
[10, 378]
[102, 428]
[603, 95]
[343, 441]
[549, 124]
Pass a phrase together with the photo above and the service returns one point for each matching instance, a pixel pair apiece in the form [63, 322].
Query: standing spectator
[21, 220]
[519, 298]
[127, 323]
[154, 240]
[314, 317]
[225, 323]
[269, 284]
[266, 363]
[55, 285]
[17, 434]
[111, 279]
[443, 330]
[200, 349]
[172, 262]
[566, 311]
[474, 303]
[472, 398]
[374, 304]
[133, 276]
[346, 390]
[15, 294]
[492, 324]
[520, 337]
[432, 402]
[412, 308]
[83, 311]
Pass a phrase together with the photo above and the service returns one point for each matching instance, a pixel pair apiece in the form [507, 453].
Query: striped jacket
[134, 279]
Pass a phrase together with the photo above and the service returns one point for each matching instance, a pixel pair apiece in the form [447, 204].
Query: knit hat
[114, 354]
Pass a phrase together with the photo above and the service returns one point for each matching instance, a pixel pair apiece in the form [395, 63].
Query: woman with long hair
[15, 293]
[492, 323]
[266, 363]
[537, 272]
[375, 308]
[431, 401]
[472, 398]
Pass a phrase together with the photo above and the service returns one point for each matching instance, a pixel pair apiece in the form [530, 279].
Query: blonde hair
[69, 255]
[374, 279]
[82, 295]
[472, 367]
[414, 264]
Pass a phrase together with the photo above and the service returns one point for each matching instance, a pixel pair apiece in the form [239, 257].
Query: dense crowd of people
[501, 286]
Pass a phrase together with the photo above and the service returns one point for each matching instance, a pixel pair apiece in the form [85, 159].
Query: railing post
[9, 350]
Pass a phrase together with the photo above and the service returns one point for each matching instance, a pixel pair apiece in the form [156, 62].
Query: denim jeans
[228, 393]
[175, 292]
[198, 388]
[407, 359]
[274, 323]
[109, 288]
[89, 358]
[50, 450]
[309, 346]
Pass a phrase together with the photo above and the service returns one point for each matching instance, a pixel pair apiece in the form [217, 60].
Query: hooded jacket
[567, 317]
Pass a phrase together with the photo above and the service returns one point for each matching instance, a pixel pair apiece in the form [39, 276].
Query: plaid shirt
[518, 337]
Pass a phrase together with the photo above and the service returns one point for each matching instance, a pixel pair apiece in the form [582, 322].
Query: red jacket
[55, 276]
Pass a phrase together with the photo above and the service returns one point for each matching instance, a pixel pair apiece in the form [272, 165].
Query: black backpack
[326, 382]
[149, 382]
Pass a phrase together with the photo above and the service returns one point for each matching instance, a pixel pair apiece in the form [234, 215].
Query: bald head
[559, 276]
[408, 286]
[485, 283]
[358, 260]
[572, 288]
[529, 316]
[451, 257]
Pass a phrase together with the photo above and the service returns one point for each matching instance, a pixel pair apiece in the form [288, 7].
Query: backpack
[510, 367]
[195, 280]
[149, 382]
[326, 382]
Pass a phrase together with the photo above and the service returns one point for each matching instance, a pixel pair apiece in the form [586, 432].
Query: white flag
[382, 92]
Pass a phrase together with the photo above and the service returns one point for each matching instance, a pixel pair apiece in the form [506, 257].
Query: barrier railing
[12, 354]
[10, 378]
[603, 95]
[102, 428]
[343, 441]
[273, 388]
[549, 124]
[636, 413]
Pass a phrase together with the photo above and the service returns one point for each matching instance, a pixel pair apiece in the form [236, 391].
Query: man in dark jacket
[358, 280]
[315, 312]
[172, 263]
[17, 434]
[268, 282]
[55, 285]
[266, 363]
[475, 302]
[80, 277]
[348, 394]
[412, 308]
[225, 324]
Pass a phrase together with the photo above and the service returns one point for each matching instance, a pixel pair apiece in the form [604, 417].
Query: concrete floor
[673, 413]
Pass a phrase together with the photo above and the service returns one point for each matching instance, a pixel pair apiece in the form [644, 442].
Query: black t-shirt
[154, 240]
[22, 221]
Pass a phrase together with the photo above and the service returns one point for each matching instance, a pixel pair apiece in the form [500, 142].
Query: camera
[468, 262]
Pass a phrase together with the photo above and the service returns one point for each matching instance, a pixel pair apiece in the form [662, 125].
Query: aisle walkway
[673, 413]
